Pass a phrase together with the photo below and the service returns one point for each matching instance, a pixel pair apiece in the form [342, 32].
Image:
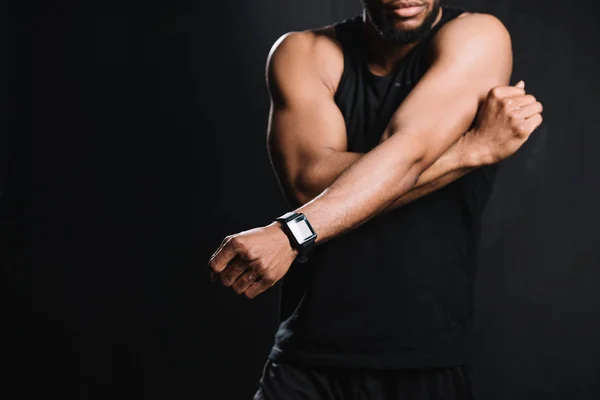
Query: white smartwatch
[302, 236]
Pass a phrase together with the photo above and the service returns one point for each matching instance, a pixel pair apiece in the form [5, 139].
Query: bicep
[304, 122]
[471, 58]
[300, 133]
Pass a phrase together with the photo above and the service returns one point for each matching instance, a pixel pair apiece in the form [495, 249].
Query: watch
[302, 236]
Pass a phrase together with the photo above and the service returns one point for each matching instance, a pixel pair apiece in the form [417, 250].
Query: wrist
[475, 153]
[283, 238]
[300, 233]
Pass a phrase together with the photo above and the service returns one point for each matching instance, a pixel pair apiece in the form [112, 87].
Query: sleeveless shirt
[396, 292]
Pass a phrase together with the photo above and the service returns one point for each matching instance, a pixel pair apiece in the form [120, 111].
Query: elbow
[302, 198]
[422, 158]
[298, 187]
[412, 176]
[414, 153]
[410, 172]
[295, 197]
[417, 162]
[295, 194]
[304, 188]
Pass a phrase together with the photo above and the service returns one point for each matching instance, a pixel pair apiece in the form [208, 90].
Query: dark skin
[460, 116]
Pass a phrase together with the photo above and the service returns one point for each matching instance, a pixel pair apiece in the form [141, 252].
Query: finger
[234, 269]
[531, 124]
[520, 85]
[501, 92]
[509, 104]
[258, 287]
[244, 281]
[223, 243]
[523, 101]
[531, 110]
[223, 256]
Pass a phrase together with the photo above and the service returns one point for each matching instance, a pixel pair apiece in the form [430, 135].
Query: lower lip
[409, 12]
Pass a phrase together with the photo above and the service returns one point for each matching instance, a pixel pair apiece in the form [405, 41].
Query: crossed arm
[459, 160]
[422, 143]
[340, 190]
[307, 136]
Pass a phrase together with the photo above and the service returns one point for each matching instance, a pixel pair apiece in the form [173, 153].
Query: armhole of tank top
[341, 31]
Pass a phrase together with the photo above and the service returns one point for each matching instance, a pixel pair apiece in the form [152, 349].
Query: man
[375, 135]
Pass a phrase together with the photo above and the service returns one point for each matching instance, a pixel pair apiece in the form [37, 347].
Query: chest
[368, 102]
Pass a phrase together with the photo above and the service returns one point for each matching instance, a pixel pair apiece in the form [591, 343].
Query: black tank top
[397, 291]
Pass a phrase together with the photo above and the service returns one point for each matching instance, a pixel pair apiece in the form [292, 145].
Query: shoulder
[475, 44]
[312, 53]
[473, 32]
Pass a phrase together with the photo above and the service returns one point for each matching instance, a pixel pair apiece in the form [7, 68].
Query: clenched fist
[250, 262]
[504, 122]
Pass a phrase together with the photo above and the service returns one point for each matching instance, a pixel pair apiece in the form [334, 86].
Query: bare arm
[472, 55]
[307, 142]
[491, 139]
[307, 137]
[458, 161]
[452, 165]
[306, 134]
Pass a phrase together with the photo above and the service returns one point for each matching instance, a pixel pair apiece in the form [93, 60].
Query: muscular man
[385, 131]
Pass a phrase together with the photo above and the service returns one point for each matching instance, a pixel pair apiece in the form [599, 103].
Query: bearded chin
[384, 24]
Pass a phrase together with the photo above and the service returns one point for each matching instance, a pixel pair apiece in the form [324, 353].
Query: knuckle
[237, 266]
[250, 276]
[269, 280]
[506, 102]
[250, 254]
[227, 241]
[212, 264]
[260, 267]
[495, 92]
[235, 242]
[522, 131]
[241, 247]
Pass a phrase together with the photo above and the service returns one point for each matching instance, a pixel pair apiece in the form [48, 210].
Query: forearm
[367, 187]
[459, 160]
[469, 57]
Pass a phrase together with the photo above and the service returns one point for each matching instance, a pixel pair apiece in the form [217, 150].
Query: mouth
[408, 9]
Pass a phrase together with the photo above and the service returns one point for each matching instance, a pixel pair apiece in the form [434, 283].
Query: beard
[384, 22]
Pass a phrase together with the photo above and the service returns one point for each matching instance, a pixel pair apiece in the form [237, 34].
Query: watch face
[300, 230]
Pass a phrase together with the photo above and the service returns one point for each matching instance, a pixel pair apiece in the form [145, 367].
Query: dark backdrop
[135, 141]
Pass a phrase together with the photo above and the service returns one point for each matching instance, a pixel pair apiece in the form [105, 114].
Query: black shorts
[293, 382]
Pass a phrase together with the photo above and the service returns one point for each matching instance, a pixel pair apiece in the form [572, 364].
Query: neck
[383, 56]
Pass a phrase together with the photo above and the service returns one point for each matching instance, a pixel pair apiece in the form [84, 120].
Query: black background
[135, 141]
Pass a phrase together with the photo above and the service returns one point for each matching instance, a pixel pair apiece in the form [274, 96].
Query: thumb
[520, 85]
